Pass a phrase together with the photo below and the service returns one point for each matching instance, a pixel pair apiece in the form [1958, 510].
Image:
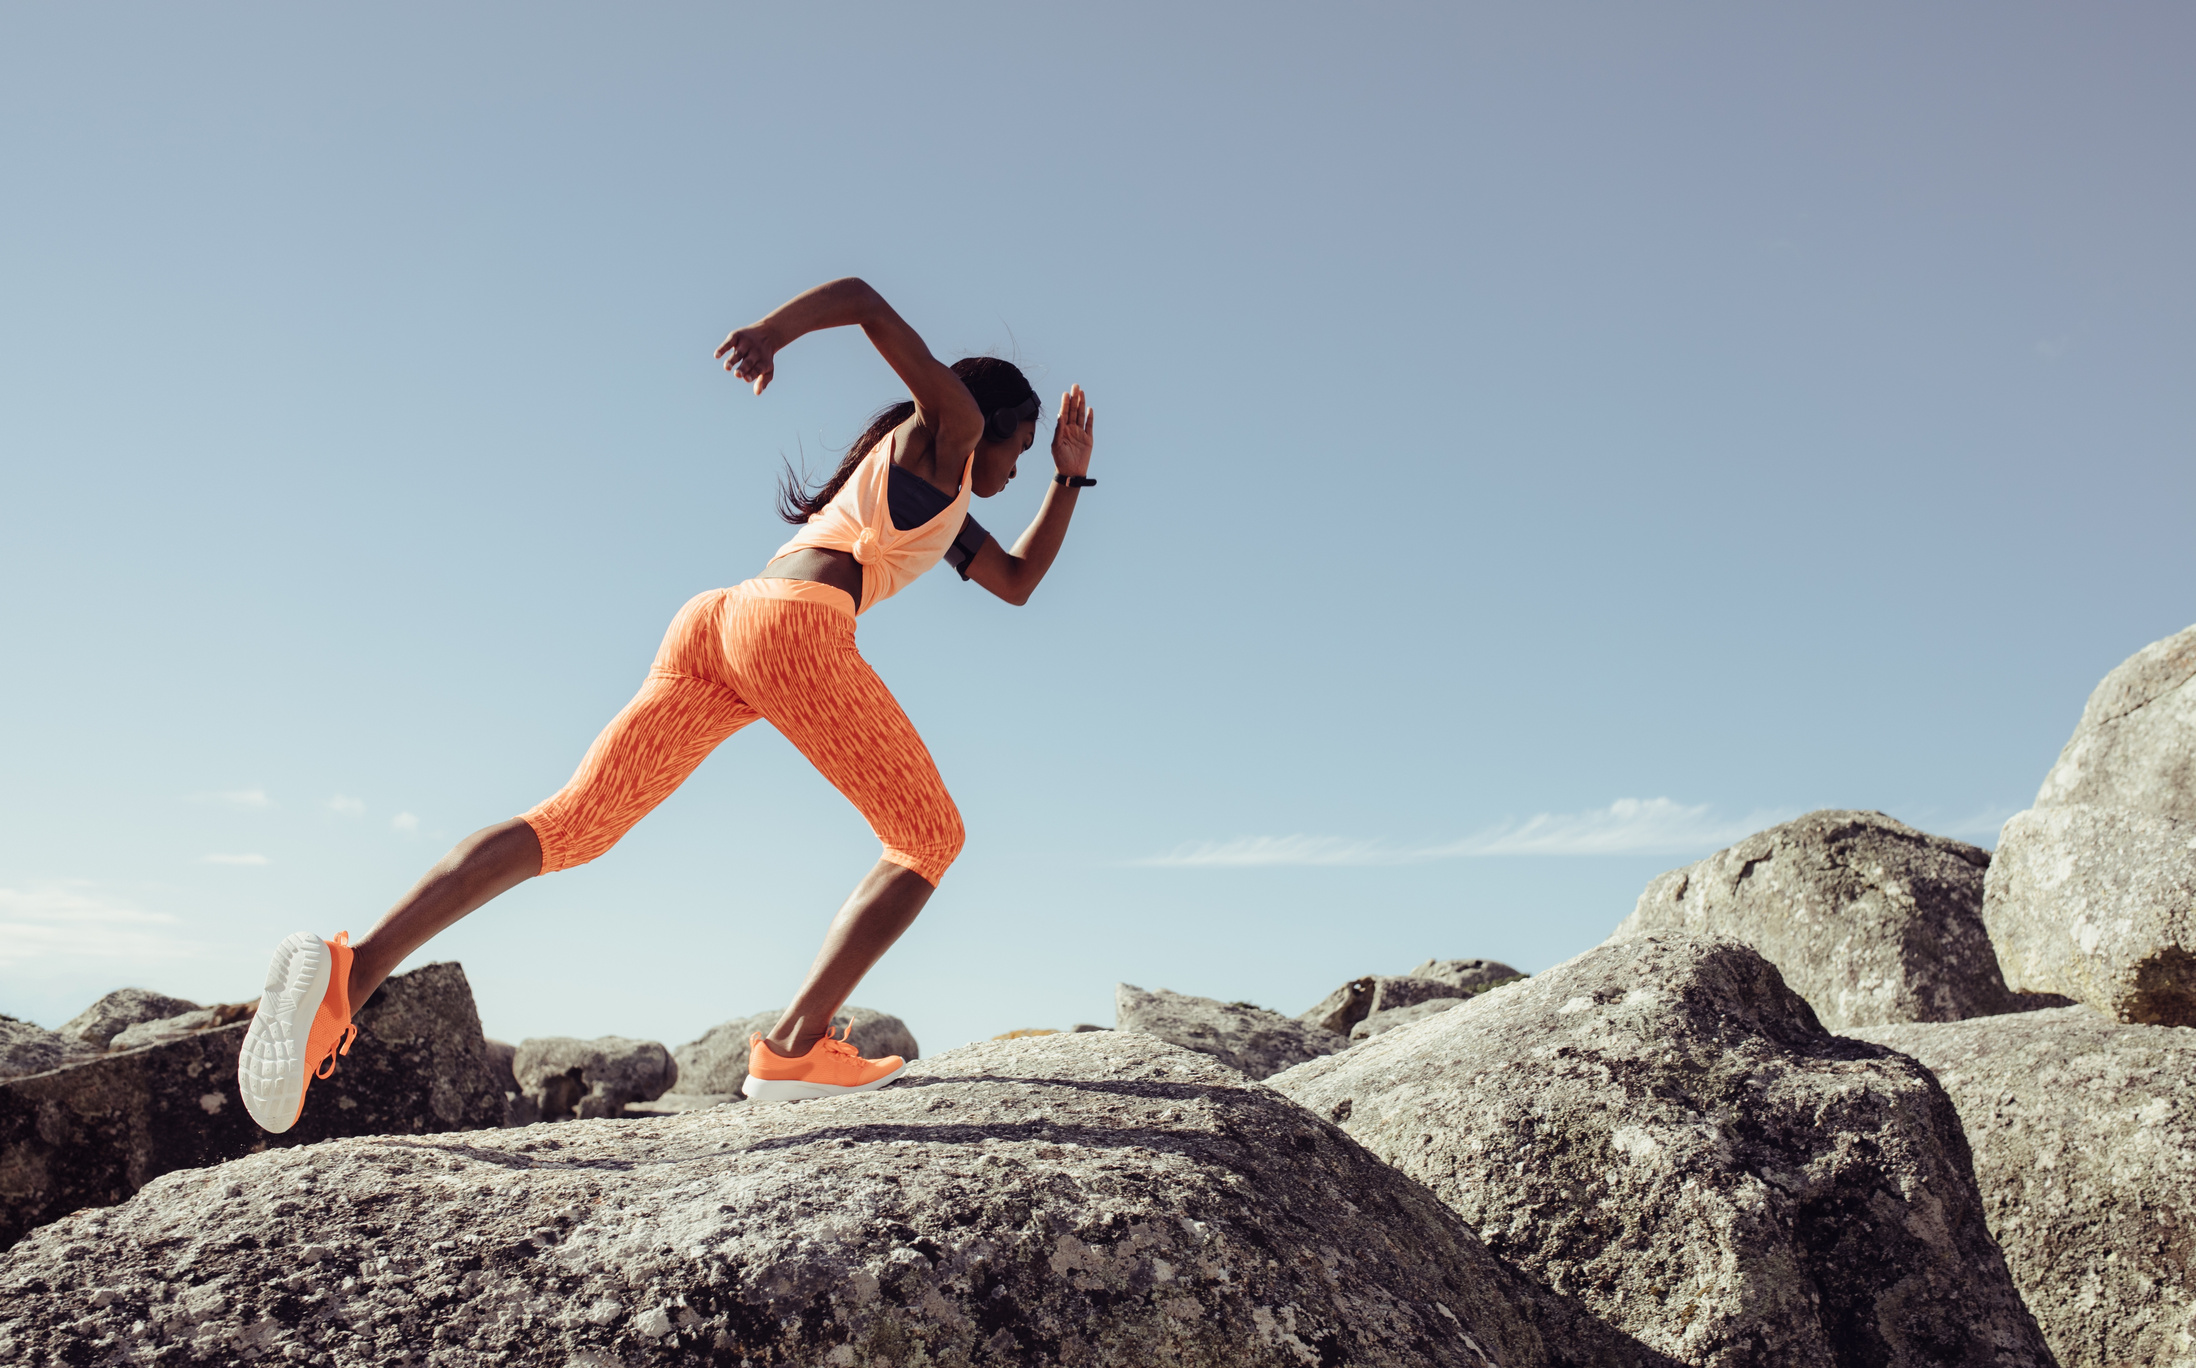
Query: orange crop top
[859, 520]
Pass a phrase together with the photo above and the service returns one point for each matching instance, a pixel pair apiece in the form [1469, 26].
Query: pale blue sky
[1537, 446]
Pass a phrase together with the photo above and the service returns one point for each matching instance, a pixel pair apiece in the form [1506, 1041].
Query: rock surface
[717, 1063]
[1097, 1199]
[98, 1024]
[2084, 1132]
[1380, 1022]
[1249, 1039]
[2099, 903]
[1472, 975]
[2135, 746]
[1662, 1128]
[28, 1048]
[1868, 919]
[2093, 892]
[567, 1078]
[93, 1133]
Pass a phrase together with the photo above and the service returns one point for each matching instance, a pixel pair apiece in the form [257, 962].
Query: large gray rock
[98, 1024]
[518, 1109]
[2099, 903]
[1097, 1199]
[1663, 1129]
[566, 1078]
[2084, 1133]
[176, 1027]
[93, 1133]
[2093, 892]
[1249, 1039]
[1868, 919]
[28, 1048]
[2135, 746]
[716, 1064]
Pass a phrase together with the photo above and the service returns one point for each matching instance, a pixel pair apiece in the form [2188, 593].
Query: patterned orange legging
[777, 649]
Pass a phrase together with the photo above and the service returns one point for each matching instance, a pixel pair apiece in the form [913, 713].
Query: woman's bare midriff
[820, 565]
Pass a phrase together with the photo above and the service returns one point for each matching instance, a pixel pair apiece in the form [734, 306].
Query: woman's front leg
[883, 906]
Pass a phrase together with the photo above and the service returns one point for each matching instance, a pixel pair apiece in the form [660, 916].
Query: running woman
[780, 648]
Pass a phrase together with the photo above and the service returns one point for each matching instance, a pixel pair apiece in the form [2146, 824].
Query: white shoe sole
[793, 1090]
[270, 1071]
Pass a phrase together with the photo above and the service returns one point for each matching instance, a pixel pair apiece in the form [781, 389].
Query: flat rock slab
[1243, 1036]
[93, 1133]
[1867, 918]
[2084, 1132]
[1662, 1128]
[1094, 1199]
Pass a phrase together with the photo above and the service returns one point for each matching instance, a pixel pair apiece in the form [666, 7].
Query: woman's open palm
[1071, 433]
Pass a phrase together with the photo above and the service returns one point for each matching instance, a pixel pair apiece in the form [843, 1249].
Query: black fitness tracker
[1074, 481]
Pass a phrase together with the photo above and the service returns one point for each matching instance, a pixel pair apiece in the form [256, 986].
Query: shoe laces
[342, 1046]
[839, 1044]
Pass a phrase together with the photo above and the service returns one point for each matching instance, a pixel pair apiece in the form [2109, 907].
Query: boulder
[2135, 746]
[2099, 903]
[121, 1009]
[93, 1133]
[1380, 1022]
[1097, 1199]
[1343, 1008]
[1868, 919]
[1472, 975]
[566, 1078]
[27, 1048]
[717, 1063]
[176, 1027]
[2084, 1132]
[2093, 892]
[1243, 1037]
[501, 1056]
[1663, 1129]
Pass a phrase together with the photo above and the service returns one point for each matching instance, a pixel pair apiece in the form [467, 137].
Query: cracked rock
[2084, 1133]
[1093, 1199]
[1663, 1129]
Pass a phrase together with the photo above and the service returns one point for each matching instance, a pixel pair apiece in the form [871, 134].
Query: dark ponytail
[1000, 390]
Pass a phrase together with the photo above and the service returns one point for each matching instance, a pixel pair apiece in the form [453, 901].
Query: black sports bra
[914, 501]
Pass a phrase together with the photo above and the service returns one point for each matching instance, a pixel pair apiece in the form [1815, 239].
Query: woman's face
[995, 461]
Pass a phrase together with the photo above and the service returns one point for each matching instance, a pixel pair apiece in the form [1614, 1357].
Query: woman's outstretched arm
[1013, 575]
[942, 402]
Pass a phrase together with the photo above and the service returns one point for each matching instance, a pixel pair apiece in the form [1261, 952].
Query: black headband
[1002, 422]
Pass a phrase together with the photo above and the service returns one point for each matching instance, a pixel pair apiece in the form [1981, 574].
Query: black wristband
[1073, 481]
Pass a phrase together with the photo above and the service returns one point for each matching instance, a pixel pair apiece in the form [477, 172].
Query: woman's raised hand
[1071, 433]
[750, 353]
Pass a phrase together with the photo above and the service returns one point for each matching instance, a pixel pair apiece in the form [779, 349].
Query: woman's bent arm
[1014, 575]
[942, 402]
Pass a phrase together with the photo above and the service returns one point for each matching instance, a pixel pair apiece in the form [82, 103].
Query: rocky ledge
[1089, 1199]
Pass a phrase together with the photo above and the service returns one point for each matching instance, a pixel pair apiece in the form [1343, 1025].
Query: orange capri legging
[777, 649]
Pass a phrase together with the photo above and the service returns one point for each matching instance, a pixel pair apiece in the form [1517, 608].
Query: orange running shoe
[831, 1068]
[303, 1021]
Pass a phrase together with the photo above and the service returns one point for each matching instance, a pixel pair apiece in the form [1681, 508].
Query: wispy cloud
[234, 859]
[404, 821]
[1249, 851]
[349, 807]
[1629, 826]
[243, 798]
[73, 919]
